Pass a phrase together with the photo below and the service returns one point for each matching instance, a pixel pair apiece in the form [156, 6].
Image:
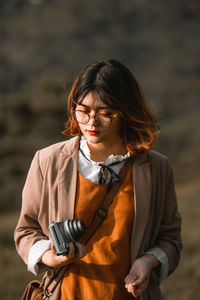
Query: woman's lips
[92, 132]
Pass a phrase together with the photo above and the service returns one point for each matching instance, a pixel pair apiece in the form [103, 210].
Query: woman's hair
[117, 87]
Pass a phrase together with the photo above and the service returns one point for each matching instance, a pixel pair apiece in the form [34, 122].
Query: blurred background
[43, 45]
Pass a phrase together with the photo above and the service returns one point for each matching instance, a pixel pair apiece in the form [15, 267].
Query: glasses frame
[95, 116]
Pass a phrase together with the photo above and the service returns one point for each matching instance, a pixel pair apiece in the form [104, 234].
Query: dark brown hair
[118, 88]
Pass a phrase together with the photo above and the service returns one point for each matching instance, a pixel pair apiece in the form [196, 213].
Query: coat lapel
[67, 180]
[142, 193]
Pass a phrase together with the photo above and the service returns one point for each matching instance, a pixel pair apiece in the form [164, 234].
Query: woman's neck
[100, 152]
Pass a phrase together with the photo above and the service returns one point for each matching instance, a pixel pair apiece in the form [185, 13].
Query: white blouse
[89, 169]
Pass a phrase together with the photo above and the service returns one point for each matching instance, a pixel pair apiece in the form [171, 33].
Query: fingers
[134, 289]
[135, 284]
[138, 278]
[76, 251]
[130, 283]
[130, 278]
[53, 250]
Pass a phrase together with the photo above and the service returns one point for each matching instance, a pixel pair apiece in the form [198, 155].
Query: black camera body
[65, 232]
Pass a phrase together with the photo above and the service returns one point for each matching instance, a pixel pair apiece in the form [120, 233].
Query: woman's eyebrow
[99, 107]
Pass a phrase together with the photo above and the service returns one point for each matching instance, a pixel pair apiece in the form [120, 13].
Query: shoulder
[160, 162]
[157, 157]
[66, 147]
[152, 156]
[49, 156]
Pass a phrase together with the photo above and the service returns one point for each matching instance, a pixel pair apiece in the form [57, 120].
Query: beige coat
[49, 195]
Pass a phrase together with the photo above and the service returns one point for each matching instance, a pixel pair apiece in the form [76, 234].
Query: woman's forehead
[92, 99]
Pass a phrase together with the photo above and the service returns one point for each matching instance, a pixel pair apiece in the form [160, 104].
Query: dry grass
[183, 284]
[13, 271]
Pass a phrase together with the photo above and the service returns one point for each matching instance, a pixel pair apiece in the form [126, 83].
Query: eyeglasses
[103, 120]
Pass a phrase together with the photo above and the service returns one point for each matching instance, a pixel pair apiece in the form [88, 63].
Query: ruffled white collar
[111, 158]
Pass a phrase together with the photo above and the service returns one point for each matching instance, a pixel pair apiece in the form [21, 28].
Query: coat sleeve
[169, 236]
[28, 230]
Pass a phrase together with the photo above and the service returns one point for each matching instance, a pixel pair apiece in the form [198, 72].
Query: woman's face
[93, 131]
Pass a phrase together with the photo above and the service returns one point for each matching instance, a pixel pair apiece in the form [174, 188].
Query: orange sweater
[100, 274]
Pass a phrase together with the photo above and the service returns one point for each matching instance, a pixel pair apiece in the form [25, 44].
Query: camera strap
[99, 217]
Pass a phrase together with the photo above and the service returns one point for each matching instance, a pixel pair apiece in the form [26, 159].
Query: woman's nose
[92, 119]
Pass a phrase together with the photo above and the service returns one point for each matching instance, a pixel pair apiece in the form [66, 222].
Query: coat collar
[70, 146]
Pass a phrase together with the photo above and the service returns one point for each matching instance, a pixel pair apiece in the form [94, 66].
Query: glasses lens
[103, 121]
[82, 117]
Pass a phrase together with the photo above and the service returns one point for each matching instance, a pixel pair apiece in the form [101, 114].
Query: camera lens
[67, 233]
[78, 229]
[73, 230]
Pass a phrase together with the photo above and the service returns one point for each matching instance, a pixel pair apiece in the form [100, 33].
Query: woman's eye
[108, 113]
[83, 111]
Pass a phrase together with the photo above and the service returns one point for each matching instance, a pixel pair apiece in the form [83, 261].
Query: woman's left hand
[50, 258]
[138, 278]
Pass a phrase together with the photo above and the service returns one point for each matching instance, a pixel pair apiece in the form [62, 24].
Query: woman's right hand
[50, 258]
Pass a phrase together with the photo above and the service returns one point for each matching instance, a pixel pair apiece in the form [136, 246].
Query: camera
[65, 232]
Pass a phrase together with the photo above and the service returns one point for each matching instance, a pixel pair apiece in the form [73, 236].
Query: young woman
[138, 244]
